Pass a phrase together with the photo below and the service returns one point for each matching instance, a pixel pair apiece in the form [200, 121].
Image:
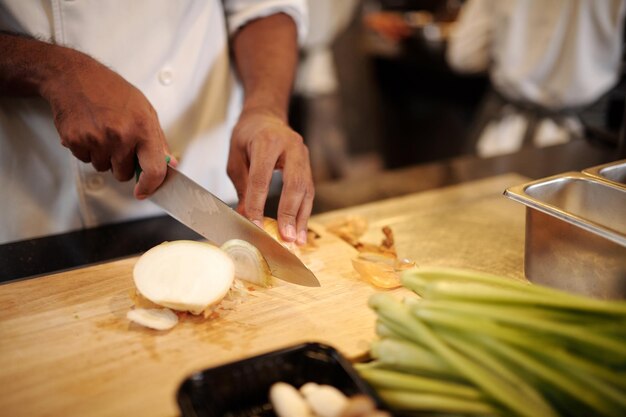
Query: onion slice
[184, 275]
[154, 318]
[271, 227]
[250, 265]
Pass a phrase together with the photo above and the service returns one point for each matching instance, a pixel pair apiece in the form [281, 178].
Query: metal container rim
[518, 193]
[595, 171]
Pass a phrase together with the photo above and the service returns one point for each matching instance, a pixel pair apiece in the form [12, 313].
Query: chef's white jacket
[175, 52]
[554, 54]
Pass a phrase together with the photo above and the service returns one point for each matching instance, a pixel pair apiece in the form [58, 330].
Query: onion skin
[271, 227]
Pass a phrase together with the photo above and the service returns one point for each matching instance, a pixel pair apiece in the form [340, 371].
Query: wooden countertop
[66, 348]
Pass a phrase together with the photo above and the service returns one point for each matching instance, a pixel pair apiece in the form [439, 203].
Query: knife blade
[204, 213]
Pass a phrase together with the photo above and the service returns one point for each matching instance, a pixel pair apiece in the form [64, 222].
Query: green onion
[397, 353]
[383, 378]
[483, 345]
[407, 400]
[396, 315]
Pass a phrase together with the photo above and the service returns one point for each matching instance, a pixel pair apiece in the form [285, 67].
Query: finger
[303, 217]
[237, 170]
[101, 160]
[258, 183]
[81, 154]
[173, 161]
[241, 209]
[288, 207]
[123, 164]
[151, 158]
[296, 183]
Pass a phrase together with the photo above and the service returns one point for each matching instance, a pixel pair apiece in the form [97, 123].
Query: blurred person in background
[317, 86]
[547, 61]
[87, 87]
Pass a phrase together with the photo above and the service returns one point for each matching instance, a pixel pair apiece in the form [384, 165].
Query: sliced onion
[250, 265]
[184, 275]
[154, 318]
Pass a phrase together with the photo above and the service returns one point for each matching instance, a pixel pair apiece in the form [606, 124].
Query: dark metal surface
[33, 257]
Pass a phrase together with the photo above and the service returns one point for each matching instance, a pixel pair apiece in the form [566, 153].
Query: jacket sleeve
[240, 12]
[469, 47]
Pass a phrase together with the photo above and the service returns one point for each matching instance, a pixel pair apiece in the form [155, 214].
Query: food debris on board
[377, 264]
[319, 400]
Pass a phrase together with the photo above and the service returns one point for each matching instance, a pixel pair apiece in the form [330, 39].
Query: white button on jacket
[175, 52]
[166, 76]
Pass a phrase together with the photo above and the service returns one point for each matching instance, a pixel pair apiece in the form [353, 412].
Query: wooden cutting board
[67, 349]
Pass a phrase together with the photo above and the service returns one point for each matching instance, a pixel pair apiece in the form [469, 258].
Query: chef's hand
[261, 143]
[104, 120]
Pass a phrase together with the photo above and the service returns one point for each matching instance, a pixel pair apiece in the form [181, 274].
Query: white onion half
[184, 275]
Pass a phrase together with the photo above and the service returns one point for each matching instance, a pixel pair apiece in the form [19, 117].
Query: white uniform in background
[317, 83]
[175, 52]
[554, 54]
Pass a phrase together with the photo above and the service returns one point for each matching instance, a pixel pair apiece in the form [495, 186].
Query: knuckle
[298, 138]
[91, 139]
[144, 123]
[287, 216]
[254, 212]
[70, 138]
[67, 141]
[268, 140]
[297, 185]
[61, 116]
[259, 184]
[140, 123]
[153, 171]
[310, 192]
[113, 134]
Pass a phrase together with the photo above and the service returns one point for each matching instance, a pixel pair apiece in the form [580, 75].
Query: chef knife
[204, 213]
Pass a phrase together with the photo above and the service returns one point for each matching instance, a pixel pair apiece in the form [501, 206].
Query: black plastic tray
[240, 389]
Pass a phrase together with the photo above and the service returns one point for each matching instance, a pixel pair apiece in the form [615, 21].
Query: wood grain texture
[67, 349]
